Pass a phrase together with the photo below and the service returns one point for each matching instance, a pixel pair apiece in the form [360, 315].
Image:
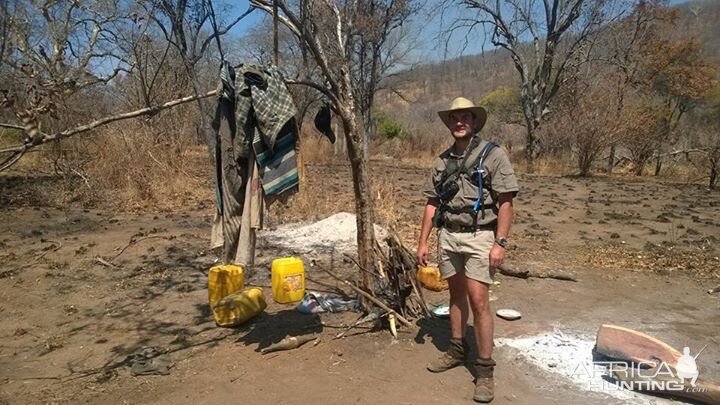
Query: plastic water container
[288, 280]
[430, 278]
[224, 280]
[239, 307]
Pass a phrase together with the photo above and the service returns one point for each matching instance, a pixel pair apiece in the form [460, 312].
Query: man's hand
[497, 255]
[421, 255]
[426, 226]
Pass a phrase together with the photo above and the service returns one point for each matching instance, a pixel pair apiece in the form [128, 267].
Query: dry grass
[653, 258]
[317, 149]
[412, 151]
[133, 165]
[128, 166]
[313, 202]
[549, 165]
[387, 205]
[141, 172]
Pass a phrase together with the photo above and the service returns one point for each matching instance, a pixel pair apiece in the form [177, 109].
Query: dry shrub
[413, 150]
[560, 164]
[311, 203]
[387, 204]
[137, 171]
[127, 165]
[317, 149]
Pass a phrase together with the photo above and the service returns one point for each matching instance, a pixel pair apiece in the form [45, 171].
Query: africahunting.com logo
[641, 376]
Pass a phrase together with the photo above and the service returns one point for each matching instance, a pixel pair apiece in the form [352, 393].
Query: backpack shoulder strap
[479, 203]
[485, 152]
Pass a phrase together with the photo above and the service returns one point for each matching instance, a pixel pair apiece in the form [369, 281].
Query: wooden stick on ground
[289, 343]
[554, 274]
[372, 299]
[105, 262]
[135, 241]
[373, 316]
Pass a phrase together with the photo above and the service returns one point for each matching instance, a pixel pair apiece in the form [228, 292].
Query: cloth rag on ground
[149, 361]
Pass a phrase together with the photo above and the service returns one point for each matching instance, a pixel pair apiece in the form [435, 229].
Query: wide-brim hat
[463, 104]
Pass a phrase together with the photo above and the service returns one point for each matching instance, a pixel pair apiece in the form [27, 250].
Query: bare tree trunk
[368, 133]
[584, 163]
[714, 158]
[658, 163]
[638, 169]
[363, 197]
[339, 146]
[530, 146]
[611, 159]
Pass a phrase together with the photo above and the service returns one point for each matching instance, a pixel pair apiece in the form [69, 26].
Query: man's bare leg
[459, 312]
[479, 295]
[459, 309]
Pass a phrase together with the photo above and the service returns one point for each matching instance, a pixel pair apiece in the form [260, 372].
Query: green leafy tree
[505, 104]
[389, 128]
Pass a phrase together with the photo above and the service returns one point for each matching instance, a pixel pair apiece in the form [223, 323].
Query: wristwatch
[502, 242]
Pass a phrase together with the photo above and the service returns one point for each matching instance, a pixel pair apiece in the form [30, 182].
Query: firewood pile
[396, 296]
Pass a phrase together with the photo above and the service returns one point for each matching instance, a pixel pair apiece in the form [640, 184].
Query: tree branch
[225, 30]
[44, 138]
[324, 90]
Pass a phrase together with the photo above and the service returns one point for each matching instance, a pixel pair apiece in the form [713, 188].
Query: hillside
[429, 88]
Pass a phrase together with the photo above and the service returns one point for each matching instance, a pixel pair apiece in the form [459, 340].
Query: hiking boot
[484, 383]
[454, 357]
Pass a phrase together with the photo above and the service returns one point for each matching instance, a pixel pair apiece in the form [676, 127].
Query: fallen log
[554, 274]
[289, 343]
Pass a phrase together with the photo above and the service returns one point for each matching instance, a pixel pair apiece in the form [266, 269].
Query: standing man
[471, 204]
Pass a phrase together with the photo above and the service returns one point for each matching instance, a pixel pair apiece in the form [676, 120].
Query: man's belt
[466, 228]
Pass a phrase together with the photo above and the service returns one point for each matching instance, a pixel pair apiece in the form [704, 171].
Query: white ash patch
[571, 358]
[338, 232]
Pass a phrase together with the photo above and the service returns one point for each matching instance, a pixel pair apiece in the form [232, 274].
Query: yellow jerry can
[430, 278]
[224, 280]
[288, 280]
[240, 306]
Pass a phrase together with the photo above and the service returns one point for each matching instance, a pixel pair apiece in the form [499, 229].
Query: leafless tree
[543, 39]
[585, 117]
[149, 54]
[642, 126]
[332, 33]
[191, 27]
[54, 52]
[621, 48]
[380, 43]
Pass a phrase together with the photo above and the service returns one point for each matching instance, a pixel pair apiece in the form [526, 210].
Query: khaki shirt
[500, 178]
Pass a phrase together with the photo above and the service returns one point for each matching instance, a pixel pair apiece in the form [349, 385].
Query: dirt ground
[644, 253]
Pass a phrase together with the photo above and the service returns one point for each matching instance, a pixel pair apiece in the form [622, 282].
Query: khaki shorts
[466, 252]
